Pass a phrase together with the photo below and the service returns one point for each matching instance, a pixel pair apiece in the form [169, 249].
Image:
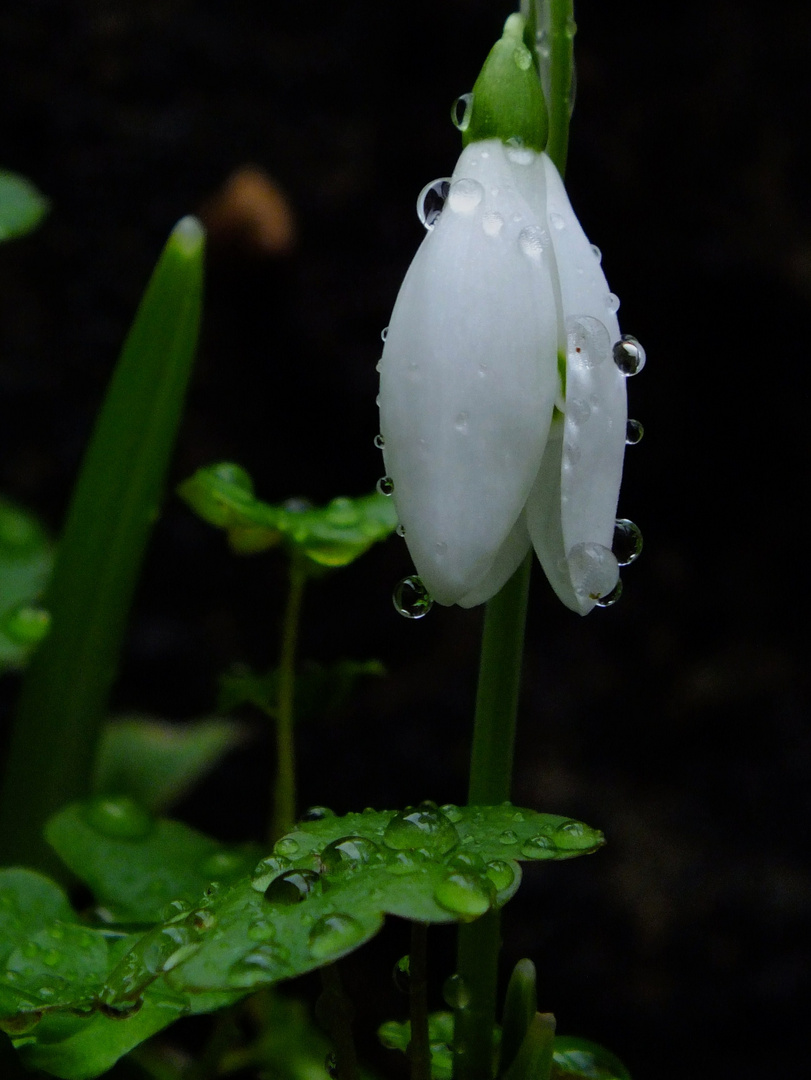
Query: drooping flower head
[502, 381]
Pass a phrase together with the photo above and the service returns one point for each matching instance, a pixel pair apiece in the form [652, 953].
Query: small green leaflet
[26, 558]
[22, 207]
[330, 536]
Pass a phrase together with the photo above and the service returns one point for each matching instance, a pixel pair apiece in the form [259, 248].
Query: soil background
[677, 720]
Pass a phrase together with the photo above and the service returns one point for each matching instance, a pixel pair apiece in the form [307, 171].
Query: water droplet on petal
[598, 255]
[519, 154]
[460, 422]
[421, 827]
[612, 302]
[400, 530]
[577, 410]
[587, 341]
[461, 110]
[532, 241]
[440, 547]
[431, 201]
[611, 598]
[380, 442]
[629, 356]
[593, 570]
[118, 818]
[385, 485]
[456, 992]
[334, 934]
[557, 221]
[627, 545]
[465, 195]
[633, 433]
[538, 847]
[384, 333]
[411, 599]
[291, 887]
[492, 222]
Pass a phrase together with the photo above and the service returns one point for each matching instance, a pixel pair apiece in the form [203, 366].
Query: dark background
[677, 720]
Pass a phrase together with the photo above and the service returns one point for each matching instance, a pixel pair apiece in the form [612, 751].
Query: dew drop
[587, 341]
[612, 302]
[456, 992]
[452, 812]
[577, 410]
[629, 356]
[405, 862]
[627, 545]
[461, 110]
[557, 220]
[317, 813]
[261, 930]
[401, 974]
[260, 965]
[400, 530]
[570, 834]
[384, 333]
[118, 818]
[291, 887]
[349, 853]
[538, 847]
[519, 154]
[287, 847]
[120, 1010]
[385, 485]
[508, 837]
[380, 442]
[267, 870]
[466, 860]
[431, 201]
[334, 934]
[467, 895]
[633, 433]
[611, 598]
[411, 599]
[492, 222]
[532, 241]
[482, 371]
[598, 255]
[460, 421]
[421, 827]
[593, 570]
[465, 195]
[501, 874]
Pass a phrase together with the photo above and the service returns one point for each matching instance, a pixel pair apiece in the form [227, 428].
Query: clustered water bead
[431, 201]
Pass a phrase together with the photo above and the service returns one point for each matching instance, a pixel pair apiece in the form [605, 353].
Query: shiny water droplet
[26, 624]
[593, 570]
[401, 974]
[287, 847]
[175, 909]
[461, 111]
[260, 965]
[629, 356]
[265, 871]
[611, 598]
[587, 341]
[460, 421]
[317, 813]
[452, 812]
[467, 895]
[334, 934]
[627, 545]
[261, 930]
[431, 201]
[532, 241]
[380, 442]
[118, 817]
[569, 834]
[508, 837]
[349, 853]
[400, 530]
[492, 222]
[538, 847]
[612, 302]
[291, 887]
[633, 433]
[465, 195]
[577, 410]
[557, 220]
[120, 1010]
[522, 58]
[456, 992]
[501, 874]
[384, 333]
[411, 599]
[405, 862]
[519, 154]
[598, 255]
[421, 827]
[468, 861]
[385, 485]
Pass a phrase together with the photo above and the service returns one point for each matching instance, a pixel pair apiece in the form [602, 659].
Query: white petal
[468, 374]
[596, 408]
[506, 562]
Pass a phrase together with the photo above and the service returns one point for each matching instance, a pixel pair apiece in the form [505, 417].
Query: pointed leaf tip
[188, 235]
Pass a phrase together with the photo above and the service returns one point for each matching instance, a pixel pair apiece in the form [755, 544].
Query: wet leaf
[26, 558]
[586, 1060]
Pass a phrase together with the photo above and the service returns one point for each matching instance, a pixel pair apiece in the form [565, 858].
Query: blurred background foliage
[678, 720]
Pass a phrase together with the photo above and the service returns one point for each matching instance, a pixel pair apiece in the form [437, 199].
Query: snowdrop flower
[502, 388]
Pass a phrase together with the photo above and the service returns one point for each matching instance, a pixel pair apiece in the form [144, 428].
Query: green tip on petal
[508, 101]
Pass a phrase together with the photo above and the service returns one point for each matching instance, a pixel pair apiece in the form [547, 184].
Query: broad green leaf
[534, 1057]
[22, 207]
[156, 762]
[136, 864]
[321, 690]
[396, 1035]
[63, 704]
[329, 536]
[26, 558]
[520, 1007]
[585, 1060]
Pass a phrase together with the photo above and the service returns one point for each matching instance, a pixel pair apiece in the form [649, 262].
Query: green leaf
[520, 1007]
[156, 762]
[26, 559]
[396, 1035]
[321, 690]
[135, 864]
[329, 536]
[534, 1057]
[64, 700]
[586, 1060]
[22, 207]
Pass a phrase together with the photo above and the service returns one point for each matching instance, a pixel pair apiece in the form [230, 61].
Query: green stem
[491, 766]
[556, 20]
[419, 1049]
[284, 792]
[335, 1011]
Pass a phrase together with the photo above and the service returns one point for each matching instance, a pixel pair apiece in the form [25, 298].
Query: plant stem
[557, 21]
[284, 792]
[335, 1011]
[491, 765]
[419, 1050]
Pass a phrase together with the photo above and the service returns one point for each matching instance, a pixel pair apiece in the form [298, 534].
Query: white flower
[502, 411]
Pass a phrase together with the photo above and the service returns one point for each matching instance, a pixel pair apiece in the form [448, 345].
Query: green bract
[508, 102]
[332, 535]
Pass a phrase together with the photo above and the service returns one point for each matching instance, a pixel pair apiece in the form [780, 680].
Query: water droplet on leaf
[532, 241]
[118, 818]
[265, 871]
[501, 874]
[456, 992]
[492, 222]
[287, 847]
[598, 255]
[317, 813]
[538, 847]
[612, 302]
[334, 934]
[466, 895]
[557, 221]
[348, 854]
[291, 887]
[423, 827]
[411, 599]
